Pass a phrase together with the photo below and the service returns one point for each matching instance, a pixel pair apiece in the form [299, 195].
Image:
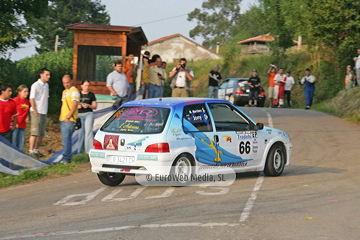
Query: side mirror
[259, 126]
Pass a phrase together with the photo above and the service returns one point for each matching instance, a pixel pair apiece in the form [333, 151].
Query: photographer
[182, 75]
[309, 81]
[156, 75]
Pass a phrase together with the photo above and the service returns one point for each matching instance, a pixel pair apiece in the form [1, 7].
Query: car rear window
[137, 120]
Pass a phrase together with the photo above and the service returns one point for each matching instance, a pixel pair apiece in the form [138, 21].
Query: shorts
[253, 95]
[270, 92]
[38, 124]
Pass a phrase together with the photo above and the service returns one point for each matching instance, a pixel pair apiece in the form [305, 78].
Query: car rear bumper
[145, 163]
[242, 99]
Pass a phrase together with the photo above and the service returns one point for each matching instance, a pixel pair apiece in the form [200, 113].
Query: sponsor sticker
[97, 154]
[147, 157]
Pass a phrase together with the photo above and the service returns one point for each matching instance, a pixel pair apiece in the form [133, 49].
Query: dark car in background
[236, 91]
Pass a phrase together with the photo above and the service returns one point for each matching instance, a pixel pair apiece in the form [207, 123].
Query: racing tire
[232, 99]
[181, 171]
[275, 161]
[110, 178]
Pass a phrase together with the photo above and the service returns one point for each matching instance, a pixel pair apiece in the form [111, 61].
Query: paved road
[317, 197]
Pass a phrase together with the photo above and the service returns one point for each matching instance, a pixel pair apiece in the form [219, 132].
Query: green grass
[50, 171]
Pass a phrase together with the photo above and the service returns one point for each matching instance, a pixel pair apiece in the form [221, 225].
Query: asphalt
[315, 198]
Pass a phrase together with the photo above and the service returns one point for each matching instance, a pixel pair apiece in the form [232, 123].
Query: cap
[254, 70]
[288, 71]
[217, 66]
[308, 69]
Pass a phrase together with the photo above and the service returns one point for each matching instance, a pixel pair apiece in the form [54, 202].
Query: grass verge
[79, 163]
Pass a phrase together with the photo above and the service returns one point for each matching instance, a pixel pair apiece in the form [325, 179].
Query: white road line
[165, 194]
[251, 201]
[99, 230]
[110, 197]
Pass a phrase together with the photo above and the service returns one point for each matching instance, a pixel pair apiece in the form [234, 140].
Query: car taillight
[97, 144]
[262, 94]
[158, 147]
[239, 92]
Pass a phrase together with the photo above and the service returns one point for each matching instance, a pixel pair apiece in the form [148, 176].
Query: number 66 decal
[244, 147]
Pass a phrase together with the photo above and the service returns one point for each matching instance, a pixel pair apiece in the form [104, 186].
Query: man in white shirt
[182, 76]
[357, 67]
[288, 86]
[39, 98]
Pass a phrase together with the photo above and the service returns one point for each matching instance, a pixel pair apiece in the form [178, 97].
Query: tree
[62, 14]
[14, 15]
[216, 21]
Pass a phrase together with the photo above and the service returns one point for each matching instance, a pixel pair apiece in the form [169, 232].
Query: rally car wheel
[275, 161]
[181, 170]
[232, 99]
[111, 179]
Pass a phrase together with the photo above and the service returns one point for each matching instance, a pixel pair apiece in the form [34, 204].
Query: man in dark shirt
[214, 79]
[254, 83]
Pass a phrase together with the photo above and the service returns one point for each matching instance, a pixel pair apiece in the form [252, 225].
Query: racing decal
[97, 154]
[269, 131]
[147, 157]
[139, 113]
[207, 151]
[227, 138]
[248, 142]
[282, 133]
[137, 145]
[129, 125]
[111, 142]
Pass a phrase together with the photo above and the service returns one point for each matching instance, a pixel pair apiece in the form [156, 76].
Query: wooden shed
[92, 41]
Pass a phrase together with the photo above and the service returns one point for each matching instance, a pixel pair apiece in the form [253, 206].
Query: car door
[198, 125]
[237, 143]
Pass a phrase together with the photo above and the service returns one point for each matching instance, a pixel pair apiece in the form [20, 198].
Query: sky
[157, 18]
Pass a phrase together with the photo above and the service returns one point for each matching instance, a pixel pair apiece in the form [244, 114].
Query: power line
[160, 20]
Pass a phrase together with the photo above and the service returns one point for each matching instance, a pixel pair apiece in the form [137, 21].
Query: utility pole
[217, 47]
[56, 42]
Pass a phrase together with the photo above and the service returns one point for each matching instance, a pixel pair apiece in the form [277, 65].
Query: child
[23, 106]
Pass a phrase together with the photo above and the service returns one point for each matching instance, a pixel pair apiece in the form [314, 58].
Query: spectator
[349, 78]
[357, 67]
[254, 83]
[68, 115]
[163, 65]
[8, 113]
[153, 60]
[39, 97]
[156, 75]
[145, 74]
[279, 81]
[22, 107]
[271, 74]
[288, 86]
[117, 84]
[181, 77]
[214, 79]
[86, 106]
[129, 72]
[309, 81]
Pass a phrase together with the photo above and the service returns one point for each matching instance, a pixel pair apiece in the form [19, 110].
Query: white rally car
[173, 135]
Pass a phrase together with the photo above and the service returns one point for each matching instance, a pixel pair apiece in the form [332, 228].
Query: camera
[182, 65]
[272, 65]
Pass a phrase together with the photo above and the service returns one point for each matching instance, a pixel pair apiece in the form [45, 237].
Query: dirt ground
[52, 139]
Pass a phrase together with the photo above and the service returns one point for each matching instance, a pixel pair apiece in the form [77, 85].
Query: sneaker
[39, 155]
[307, 108]
[64, 161]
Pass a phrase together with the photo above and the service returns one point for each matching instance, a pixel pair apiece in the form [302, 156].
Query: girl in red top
[23, 107]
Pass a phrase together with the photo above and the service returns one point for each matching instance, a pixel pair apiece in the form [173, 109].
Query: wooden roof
[133, 32]
[261, 38]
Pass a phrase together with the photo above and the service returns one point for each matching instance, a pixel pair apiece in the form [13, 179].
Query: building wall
[173, 49]
[254, 48]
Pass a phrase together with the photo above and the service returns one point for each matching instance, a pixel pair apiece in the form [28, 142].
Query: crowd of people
[77, 106]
